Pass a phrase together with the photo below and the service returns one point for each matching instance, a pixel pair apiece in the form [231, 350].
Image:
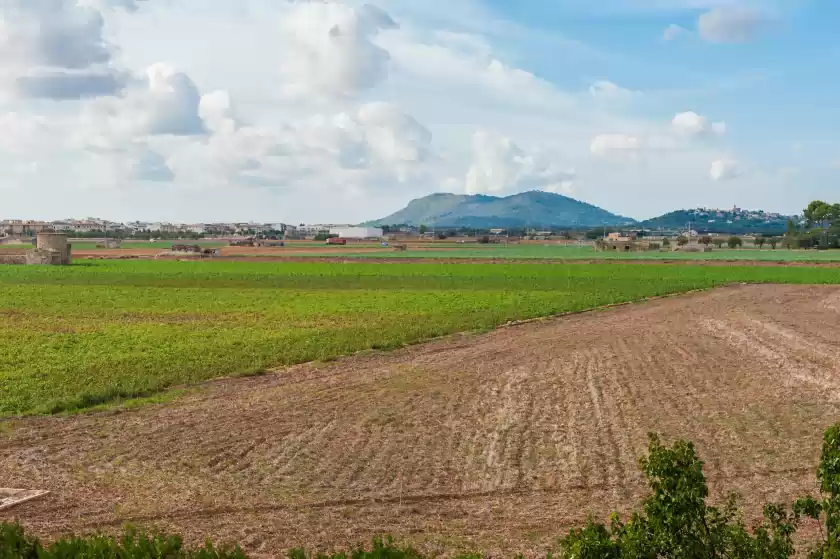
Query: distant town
[691, 222]
[104, 227]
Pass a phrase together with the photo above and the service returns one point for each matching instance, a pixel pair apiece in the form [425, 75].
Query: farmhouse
[624, 244]
[357, 232]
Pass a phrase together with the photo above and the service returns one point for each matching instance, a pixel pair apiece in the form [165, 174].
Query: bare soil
[497, 442]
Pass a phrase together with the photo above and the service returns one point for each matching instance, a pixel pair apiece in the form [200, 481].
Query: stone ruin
[51, 249]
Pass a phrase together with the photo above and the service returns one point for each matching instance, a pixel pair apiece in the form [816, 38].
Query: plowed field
[498, 442]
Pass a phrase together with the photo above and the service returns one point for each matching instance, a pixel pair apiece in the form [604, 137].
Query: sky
[343, 111]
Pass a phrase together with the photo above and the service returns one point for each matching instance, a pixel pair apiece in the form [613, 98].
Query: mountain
[528, 209]
[734, 221]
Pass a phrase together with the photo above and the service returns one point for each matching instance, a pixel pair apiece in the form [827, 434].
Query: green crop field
[102, 331]
[148, 244]
[588, 253]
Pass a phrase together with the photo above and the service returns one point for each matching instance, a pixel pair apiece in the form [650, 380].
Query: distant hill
[734, 221]
[528, 209]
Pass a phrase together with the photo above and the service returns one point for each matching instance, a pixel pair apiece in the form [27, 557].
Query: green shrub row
[674, 522]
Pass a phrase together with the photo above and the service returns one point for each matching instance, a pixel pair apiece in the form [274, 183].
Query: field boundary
[515, 323]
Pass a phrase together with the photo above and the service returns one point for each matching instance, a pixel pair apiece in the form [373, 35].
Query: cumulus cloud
[392, 135]
[330, 48]
[377, 139]
[216, 111]
[608, 92]
[732, 24]
[164, 101]
[607, 145]
[378, 136]
[499, 165]
[724, 170]
[674, 32]
[129, 5]
[149, 165]
[55, 49]
[692, 125]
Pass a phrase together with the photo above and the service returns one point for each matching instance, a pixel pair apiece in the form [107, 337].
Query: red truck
[336, 241]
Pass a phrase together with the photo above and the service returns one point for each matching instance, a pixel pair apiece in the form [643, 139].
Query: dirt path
[496, 442]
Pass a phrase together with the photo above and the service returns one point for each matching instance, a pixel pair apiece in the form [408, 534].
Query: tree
[423, 229]
[682, 240]
[705, 240]
[719, 242]
[821, 214]
[773, 242]
[734, 242]
[759, 242]
[666, 243]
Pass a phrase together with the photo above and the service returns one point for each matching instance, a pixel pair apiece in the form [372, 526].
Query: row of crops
[105, 331]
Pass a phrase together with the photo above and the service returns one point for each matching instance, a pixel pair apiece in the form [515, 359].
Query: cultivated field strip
[496, 441]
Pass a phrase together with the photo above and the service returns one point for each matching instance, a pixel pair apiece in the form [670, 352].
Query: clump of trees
[719, 242]
[734, 242]
[682, 240]
[820, 228]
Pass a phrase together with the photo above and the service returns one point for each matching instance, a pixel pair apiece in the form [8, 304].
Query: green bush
[735, 242]
[15, 544]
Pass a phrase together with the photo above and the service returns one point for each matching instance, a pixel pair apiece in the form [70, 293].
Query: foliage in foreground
[674, 521]
[15, 544]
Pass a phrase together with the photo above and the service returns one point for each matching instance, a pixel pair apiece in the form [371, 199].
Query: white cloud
[622, 145]
[500, 166]
[692, 125]
[608, 92]
[323, 111]
[216, 110]
[55, 49]
[674, 32]
[149, 165]
[164, 101]
[724, 170]
[377, 140]
[393, 136]
[330, 49]
[130, 5]
[468, 69]
[731, 24]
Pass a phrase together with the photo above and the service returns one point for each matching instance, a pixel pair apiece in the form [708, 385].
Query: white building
[304, 229]
[357, 232]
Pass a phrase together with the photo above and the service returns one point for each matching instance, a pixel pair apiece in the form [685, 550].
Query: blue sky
[776, 90]
[344, 111]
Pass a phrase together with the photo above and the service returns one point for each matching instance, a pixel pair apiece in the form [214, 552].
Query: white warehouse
[357, 232]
